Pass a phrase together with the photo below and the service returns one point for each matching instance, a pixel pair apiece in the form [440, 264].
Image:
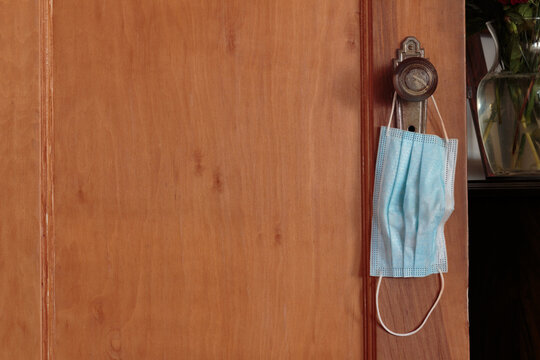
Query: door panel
[439, 26]
[206, 180]
[20, 282]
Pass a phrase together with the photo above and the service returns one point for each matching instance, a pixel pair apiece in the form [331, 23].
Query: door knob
[415, 80]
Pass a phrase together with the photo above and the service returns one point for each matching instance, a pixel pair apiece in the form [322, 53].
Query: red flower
[513, 2]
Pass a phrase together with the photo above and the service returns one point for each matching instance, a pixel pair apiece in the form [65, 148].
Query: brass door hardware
[415, 80]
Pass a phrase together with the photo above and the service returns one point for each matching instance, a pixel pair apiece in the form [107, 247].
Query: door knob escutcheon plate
[415, 79]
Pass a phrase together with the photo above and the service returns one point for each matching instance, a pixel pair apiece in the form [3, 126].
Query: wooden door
[193, 179]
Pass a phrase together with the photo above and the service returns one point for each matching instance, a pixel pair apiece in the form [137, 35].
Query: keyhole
[412, 128]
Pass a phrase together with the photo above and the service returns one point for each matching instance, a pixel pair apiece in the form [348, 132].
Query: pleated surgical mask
[413, 197]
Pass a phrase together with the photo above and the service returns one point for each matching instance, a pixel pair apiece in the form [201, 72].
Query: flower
[513, 2]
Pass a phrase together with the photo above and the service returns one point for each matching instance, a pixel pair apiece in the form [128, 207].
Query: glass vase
[508, 116]
[508, 105]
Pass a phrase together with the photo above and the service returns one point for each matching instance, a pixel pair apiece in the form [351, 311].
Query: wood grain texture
[207, 180]
[19, 184]
[439, 26]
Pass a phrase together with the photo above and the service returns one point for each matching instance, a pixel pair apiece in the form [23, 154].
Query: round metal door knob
[415, 79]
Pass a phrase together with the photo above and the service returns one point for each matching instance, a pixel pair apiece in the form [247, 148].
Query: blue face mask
[413, 197]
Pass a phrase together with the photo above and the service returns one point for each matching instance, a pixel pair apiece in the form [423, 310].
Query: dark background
[504, 270]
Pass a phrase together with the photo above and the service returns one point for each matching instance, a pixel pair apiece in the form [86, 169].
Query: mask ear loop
[425, 319]
[391, 112]
[394, 100]
[440, 118]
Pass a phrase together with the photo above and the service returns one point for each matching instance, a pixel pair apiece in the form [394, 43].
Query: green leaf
[514, 16]
[511, 26]
[515, 58]
[524, 10]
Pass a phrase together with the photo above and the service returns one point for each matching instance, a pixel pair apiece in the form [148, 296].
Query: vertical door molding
[46, 175]
[367, 154]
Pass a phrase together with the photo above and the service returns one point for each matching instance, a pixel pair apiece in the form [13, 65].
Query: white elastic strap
[440, 117]
[423, 322]
[392, 111]
[394, 99]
